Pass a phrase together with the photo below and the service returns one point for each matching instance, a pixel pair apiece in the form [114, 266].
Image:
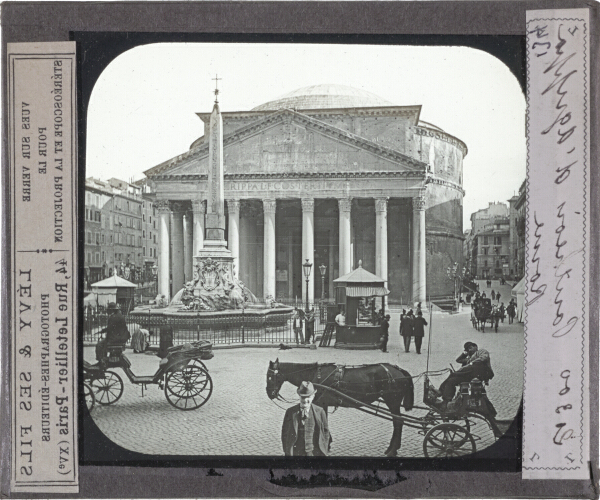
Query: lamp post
[307, 266]
[456, 275]
[323, 269]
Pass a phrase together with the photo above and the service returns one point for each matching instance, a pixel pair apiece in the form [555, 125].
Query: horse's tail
[408, 398]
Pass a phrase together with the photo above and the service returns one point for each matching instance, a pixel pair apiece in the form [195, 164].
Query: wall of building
[399, 247]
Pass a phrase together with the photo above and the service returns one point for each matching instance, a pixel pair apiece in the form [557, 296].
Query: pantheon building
[328, 173]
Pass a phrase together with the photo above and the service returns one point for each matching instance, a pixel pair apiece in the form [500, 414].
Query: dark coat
[418, 326]
[406, 326]
[289, 431]
[116, 329]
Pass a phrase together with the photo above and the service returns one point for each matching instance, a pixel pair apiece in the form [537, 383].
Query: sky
[142, 108]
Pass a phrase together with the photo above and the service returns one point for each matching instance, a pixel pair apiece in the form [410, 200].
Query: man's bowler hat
[112, 306]
[306, 389]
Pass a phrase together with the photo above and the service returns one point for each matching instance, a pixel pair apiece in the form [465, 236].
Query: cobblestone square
[239, 418]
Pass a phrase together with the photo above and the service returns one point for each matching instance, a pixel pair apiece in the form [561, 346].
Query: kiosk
[357, 294]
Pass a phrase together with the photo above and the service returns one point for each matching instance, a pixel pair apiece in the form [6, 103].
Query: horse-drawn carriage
[448, 431]
[483, 311]
[181, 374]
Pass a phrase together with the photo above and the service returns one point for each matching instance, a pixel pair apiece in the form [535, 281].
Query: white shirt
[340, 319]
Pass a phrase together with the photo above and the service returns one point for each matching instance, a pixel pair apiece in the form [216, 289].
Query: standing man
[116, 331]
[498, 297]
[298, 327]
[385, 332]
[406, 329]
[310, 325]
[419, 324]
[305, 430]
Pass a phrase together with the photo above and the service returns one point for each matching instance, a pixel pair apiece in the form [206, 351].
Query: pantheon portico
[327, 173]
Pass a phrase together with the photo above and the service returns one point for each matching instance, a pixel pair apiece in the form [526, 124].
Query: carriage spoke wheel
[108, 388]
[188, 388]
[88, 395]
[448, 440]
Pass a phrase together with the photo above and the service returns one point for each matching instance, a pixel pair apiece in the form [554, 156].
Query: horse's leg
[393, 404]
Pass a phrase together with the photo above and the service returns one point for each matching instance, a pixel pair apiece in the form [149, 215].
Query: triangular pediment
[287, 141]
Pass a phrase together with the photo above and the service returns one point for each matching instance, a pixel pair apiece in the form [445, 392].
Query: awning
[366, 291]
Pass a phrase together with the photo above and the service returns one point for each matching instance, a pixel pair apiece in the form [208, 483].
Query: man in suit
[305, 430]
[116, 331]
[406, 329]
[385, 332]
[419, 324]
[310, 325]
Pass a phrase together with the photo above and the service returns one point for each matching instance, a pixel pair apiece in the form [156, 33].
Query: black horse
[365, 383]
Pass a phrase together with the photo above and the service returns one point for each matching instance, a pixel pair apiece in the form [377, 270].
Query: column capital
[381, 204]
[345, 204]
[233, 206]
[308, 204]
[198, 207]
[178, 207]
[419, 202]
[163, 206]
[269, 206]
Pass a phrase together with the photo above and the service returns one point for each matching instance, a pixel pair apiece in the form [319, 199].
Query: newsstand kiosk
[357, 294]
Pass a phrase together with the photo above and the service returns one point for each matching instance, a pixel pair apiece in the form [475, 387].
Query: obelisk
[215, 210]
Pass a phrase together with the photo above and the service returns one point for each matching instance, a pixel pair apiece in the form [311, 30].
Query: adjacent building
[119, 232]
[495, 245]
[328, 173]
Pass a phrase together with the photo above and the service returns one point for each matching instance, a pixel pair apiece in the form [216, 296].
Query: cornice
[441, 182]
[306, 175]
[445, 234]
[444, 136]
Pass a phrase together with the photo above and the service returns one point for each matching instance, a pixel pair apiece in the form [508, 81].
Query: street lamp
[307, 267]
[323, 269]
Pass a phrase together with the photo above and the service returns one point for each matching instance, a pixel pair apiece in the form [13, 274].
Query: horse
[365, 383]
[482, 312]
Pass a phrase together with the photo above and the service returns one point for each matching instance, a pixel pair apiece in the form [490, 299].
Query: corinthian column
[233, 238]
[188, 251]
[381, 229]
[308, 246]
[419, 251]
[199, 210]
[345, 206]
[269, 207]
[164, 213]
[177, 259]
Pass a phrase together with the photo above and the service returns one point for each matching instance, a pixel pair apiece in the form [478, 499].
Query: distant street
[239, 419]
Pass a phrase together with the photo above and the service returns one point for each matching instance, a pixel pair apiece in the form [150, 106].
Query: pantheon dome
[324, 96]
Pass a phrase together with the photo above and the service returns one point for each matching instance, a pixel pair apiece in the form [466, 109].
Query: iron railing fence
[243, 328]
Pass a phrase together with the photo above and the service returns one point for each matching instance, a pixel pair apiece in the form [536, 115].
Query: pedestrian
[385, 332]
[502, 312]
[511, 311]
[406, 330]
[305, 430]
[419, 324]
[298, 327]
[310, 325]
[497, 297]
[116, 331]
[139, 339]
[419, 308]
[493, 295]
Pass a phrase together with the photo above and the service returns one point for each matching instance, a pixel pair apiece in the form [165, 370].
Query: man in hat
[305, 430]
[385, 332]
[475, 364]
[116, 331]
[419, 324]
[406, 329]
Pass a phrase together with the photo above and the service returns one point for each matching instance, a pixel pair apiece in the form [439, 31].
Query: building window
[89, 257]
[89, 240]
[154, 238]
[139, 241]
[485, 250]
[103, 241]
[97, 238]
[485, 263]
[144, 234]
[144, 251]
[144, 217]
[497, 240]
[103, 256]
[111, 239]
[485, 240]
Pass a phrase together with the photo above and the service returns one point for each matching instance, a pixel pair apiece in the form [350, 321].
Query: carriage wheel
[88, 395]
[107, 389]
[448, 440]
[188, 388]
[199, 363]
